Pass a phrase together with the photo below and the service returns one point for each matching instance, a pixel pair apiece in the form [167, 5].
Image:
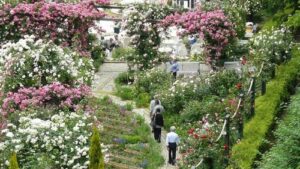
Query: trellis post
[263, 87]
[240, 118]
[227, 141]
[252, 98]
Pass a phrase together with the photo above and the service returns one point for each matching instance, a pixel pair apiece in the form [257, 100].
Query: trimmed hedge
[285, 154]
[266, 107]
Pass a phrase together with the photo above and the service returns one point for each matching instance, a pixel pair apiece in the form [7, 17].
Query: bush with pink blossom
[55, 94]
[214, 27]
[65, 24]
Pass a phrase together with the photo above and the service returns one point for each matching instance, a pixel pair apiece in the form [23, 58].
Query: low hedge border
[266, 108]
[285, 153]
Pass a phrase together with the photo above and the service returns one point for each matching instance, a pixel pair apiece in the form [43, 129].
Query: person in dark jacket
[158, 124]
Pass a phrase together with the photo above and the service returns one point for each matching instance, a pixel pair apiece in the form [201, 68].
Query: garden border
[245, 153]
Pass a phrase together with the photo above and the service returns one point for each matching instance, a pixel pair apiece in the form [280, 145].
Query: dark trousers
[157, 134]
[172, 153]
[174, 75]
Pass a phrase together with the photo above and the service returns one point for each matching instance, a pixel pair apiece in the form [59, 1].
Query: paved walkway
[103, 85]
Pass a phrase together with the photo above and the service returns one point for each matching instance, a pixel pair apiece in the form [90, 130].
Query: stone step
[121, 166]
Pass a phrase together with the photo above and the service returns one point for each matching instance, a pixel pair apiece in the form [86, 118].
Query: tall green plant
[13, 162]
[95, 153]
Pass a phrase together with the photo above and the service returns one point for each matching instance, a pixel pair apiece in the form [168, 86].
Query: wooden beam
[110, 6]
[119, 19]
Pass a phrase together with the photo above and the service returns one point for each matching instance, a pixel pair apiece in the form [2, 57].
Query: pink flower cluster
[56, 93]
[212, 26]
[65, 24]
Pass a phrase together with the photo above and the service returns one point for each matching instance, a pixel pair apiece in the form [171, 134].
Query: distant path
[103, 85]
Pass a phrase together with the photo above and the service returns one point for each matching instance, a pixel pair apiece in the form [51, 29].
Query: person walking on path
[174, 68]
[154, 102]
[172, 141]
[158, 122]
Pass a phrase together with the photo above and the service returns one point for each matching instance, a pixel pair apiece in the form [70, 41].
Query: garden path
[103, 85]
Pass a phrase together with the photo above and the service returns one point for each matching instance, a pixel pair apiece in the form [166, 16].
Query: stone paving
[103, 85]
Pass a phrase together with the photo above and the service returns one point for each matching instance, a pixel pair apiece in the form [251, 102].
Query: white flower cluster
[29, 59]
[63, 138]
[272, 46]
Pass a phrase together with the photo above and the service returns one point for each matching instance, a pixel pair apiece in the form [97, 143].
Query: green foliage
[126, 92]
[13, 162]
[144, 35]
[125, 78]
[123, 54]
[128, 106]
[142, 100]
[132, 139]
[244, 153]
[285, 153]
[95, 153]
[195, 110]
[151, 81]
[98, 57]
[223, 81]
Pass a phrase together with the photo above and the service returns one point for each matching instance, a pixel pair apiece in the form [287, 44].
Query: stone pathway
[103, 85]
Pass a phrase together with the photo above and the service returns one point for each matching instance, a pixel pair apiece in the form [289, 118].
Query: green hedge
[266, 107]
[285, 154]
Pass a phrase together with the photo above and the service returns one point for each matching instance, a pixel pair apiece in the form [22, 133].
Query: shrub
[125, 92]
[125, 78]
[54, 94]
[98, 57]
[128, 106]
[13, 162]
[144, 35]
[151, 81]
[62, 137]
[271, 47]
[142, 100]
[64, 23]
[95, 152]
[123, 53]
[31, 63]
[221, 82]
[266, 106]
[195, 110]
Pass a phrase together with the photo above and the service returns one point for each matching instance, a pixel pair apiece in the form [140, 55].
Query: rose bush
[271, 47]
[144, 33]
[61, 141]
[54, 94]
[28, 63]
[64, 24]
[214, 27]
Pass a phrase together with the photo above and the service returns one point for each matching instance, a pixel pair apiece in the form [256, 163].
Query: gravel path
[103, 85]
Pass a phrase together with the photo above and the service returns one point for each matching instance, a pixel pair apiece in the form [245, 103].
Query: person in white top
[172, 142]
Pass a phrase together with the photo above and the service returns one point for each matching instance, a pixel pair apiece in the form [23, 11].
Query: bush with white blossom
[271, 47]
[29, 63]
[141, 26]
[61, 141]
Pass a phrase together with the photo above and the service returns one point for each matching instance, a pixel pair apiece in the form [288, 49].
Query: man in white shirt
[172, 142]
